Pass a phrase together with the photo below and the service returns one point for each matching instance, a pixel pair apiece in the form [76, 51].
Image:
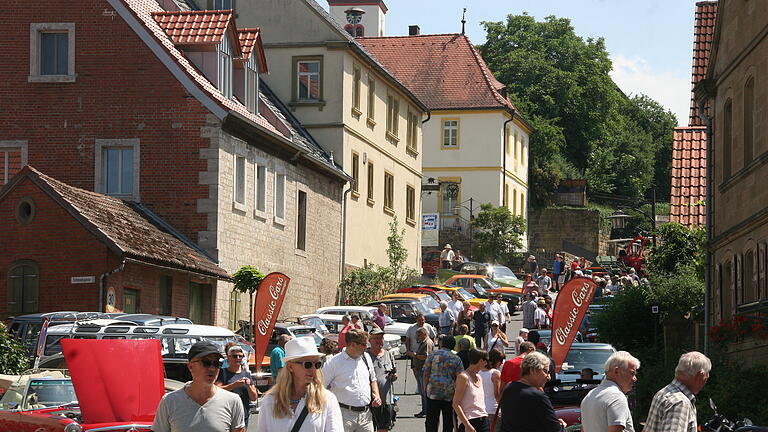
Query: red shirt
[574, 265]
[343, 335]
[512, 370]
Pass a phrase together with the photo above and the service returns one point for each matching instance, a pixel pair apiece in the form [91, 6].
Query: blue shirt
[276, 361]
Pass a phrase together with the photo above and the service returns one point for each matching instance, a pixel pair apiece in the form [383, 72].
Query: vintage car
[366, 314]
[495, 272]
[444, 292]
[392, 343]
[585, 355]
[404, 310]
[122, 397]
[483, 287]
[427, 299]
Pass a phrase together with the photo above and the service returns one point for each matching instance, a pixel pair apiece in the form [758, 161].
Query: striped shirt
[673, 409]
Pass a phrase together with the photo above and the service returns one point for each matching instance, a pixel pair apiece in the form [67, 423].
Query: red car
[430, 262]
[115, 385]
[436, 291]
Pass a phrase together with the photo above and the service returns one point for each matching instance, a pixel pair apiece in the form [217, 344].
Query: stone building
[735, 90]
[164, 107]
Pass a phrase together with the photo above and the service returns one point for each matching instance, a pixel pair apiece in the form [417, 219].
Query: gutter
[708, 211]
[103, 282]
[342, 270]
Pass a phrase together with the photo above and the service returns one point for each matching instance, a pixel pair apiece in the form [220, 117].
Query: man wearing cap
[351, 378]
[540, 316]
[386, 374]
[522, 337]
[201, 406]
[238, 380]
[446, 256]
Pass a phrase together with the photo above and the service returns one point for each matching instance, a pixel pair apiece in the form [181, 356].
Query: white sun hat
[301, 347]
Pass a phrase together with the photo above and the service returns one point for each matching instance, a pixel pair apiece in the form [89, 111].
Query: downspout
[343, 269]
[103, 282]
[708, 208]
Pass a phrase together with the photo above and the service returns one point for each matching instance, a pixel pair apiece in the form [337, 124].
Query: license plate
[262, 382]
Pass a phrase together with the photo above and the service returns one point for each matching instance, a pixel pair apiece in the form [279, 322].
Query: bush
[13, 356]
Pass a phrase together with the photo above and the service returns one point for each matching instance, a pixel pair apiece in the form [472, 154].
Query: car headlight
[73, 427]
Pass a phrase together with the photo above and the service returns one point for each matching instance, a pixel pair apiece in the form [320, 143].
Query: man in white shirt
[446, 256]
[540, 316]
[457, 307]
[411, 341]
[605, 408]
[351, 378]
[446, 320]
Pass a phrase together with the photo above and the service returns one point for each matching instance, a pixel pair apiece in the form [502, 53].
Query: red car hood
[115, 380]
[571, 414]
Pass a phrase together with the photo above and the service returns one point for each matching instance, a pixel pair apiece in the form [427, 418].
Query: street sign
[430, 229]
[654, 309]
[83, 279]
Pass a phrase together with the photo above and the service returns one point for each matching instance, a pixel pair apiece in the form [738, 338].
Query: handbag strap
[300, 420]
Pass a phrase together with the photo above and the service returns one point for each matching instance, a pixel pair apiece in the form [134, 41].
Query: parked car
[463, 294]
[427, 299]
[585, 355]
[482, 287]
[366, 314]
[545, 337]
[495, 272]
[432, 290]
[405, 310]
[392, 342]
[430, 262]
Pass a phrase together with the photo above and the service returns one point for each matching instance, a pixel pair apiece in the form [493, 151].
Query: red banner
[269, 300]
[570, 307]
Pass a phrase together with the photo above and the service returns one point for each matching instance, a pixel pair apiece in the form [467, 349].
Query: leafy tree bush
[247, 280]
[679, 246]
[361, 286]
[498, 234]
[13, 356]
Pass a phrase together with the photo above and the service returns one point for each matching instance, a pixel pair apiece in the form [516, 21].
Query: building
[356, 109]
[476, 143]
[165, 108]
[738, 149]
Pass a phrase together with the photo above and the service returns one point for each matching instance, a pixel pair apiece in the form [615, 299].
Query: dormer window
[252, 86]
[224, 52]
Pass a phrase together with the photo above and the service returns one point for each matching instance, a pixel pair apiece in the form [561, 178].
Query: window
[13, 156]
[251, 87]
[393, 115]
[225, 67]
[117, 167]
[131, 301]
[749, 120]
[450, 133]
[355, 174]
[506, 195]
[371, 98]
[308, 84]
[412, 132]
[356, 90]
[52, 52]
[260, 188]
[23, 287]
[522, 204]
[514, 202]
[370, 182]
[523, 150]
[727, 139]
[450, 192]
[514, 143]
[239, 180]
[355, 30]
[221, 4]
[389, 191]
[301, 221]
[410, 204]
[749, 292]
[166, 295]
[279, 197]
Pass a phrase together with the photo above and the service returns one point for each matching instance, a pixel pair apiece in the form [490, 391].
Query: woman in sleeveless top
[469, 398]
[492, 383]
[496, 338]
[465, 317]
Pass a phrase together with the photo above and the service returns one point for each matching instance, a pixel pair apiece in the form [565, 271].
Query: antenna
[463, 20]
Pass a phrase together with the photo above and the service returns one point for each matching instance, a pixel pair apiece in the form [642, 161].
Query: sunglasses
[237, 355]
[210, 363]
[309, 364]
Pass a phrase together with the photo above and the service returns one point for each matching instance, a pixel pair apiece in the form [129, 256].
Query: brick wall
[554, 230]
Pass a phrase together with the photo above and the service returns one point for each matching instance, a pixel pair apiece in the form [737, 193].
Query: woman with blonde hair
[298, 402]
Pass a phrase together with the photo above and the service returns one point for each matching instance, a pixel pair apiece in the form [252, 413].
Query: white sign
[83, 279]
[111, 297]
[430, 229]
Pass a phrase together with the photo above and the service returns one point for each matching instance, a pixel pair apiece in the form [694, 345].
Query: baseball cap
[375, 331]
[202, 349]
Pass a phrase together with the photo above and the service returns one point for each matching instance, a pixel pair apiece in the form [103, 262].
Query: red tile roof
[195, 27]
[689, 175]
[444, 71]
[250, 41]
[703, 30]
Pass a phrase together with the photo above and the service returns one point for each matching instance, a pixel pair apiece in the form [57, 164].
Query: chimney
[414, 30]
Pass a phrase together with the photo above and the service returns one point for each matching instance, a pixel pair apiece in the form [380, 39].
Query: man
[276, 357]
[544, 281]
[379, 316]
[349, 375]
[558, 268]
[540, 318]
[457, 307]
[673, 408]
[529, 310]
[533, 266]
[462, 351]
[522, 337]
[503, 311]
[605, 408]
[344, 330]
[425, 348]
[237, 379]
[512, 368]
[446, 319]
[411, 341]
[464, 334]
[356, 323]
[386, 374]
[446, 256]
[200, 406]
[615, 286]
[440, 371]
[482, 320]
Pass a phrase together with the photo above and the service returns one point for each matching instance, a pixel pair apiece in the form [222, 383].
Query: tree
[13, 356]
[247, 280]
[679, 247]
[498, 234]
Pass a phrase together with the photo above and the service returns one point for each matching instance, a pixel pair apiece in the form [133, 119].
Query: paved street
[405, 388]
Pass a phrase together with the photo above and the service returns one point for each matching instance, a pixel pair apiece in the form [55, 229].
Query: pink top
[473, 401]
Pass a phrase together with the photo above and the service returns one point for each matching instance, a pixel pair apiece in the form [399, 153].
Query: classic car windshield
[578, 359]
[503, 272]
[48, 393]
[443, 296]
[466, 294]
[430, 302]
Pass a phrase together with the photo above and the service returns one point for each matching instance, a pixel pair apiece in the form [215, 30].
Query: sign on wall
[430, 229]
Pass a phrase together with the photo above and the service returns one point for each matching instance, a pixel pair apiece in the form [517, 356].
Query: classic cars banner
[269, 300]
[570, 308]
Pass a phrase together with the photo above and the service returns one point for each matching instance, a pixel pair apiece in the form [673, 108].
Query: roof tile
[703, 30]
[688, 194]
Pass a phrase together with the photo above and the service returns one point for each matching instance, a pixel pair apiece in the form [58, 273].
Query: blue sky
[650, 41]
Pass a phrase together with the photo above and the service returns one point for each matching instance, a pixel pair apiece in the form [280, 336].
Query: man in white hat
[446, 256]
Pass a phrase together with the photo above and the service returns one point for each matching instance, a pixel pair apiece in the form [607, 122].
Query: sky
[650, 41]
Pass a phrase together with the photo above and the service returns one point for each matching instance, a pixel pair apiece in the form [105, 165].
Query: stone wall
[577, 231]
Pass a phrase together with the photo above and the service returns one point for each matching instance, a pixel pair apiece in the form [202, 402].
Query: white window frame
[35, 30]
[300, 74]
[451, 132]
[99, 169]
[6, 147]
[224, 57]
[251, 75]
[239, 181]
[280, 195]
[260, 186]
[231, 4]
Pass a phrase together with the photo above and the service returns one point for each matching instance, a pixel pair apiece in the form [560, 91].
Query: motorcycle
[718, 423]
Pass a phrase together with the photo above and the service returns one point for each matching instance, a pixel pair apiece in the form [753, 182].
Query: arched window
[749, 292]
[727, 139]
[749, 120]
[355, 30]
[23, 287]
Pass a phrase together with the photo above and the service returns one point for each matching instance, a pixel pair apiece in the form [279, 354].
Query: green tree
[678, 246]
[13, 356]
[247, 280]
[497, 234]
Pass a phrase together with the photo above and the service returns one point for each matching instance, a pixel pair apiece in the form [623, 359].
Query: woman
[465, 316]
[492, 384]
[469, 397]
[524, 405]
[496, 338]
[300, 389]
[529, 285]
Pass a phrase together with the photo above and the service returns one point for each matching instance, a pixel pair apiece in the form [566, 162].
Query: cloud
[670, 88]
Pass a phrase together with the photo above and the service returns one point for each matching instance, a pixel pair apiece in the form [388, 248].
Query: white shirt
[446, 255]
[348, 379]
[606, 405]
[456, 307]
[329, 420]
[446, 318]
[541, 315]
[410, 334]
